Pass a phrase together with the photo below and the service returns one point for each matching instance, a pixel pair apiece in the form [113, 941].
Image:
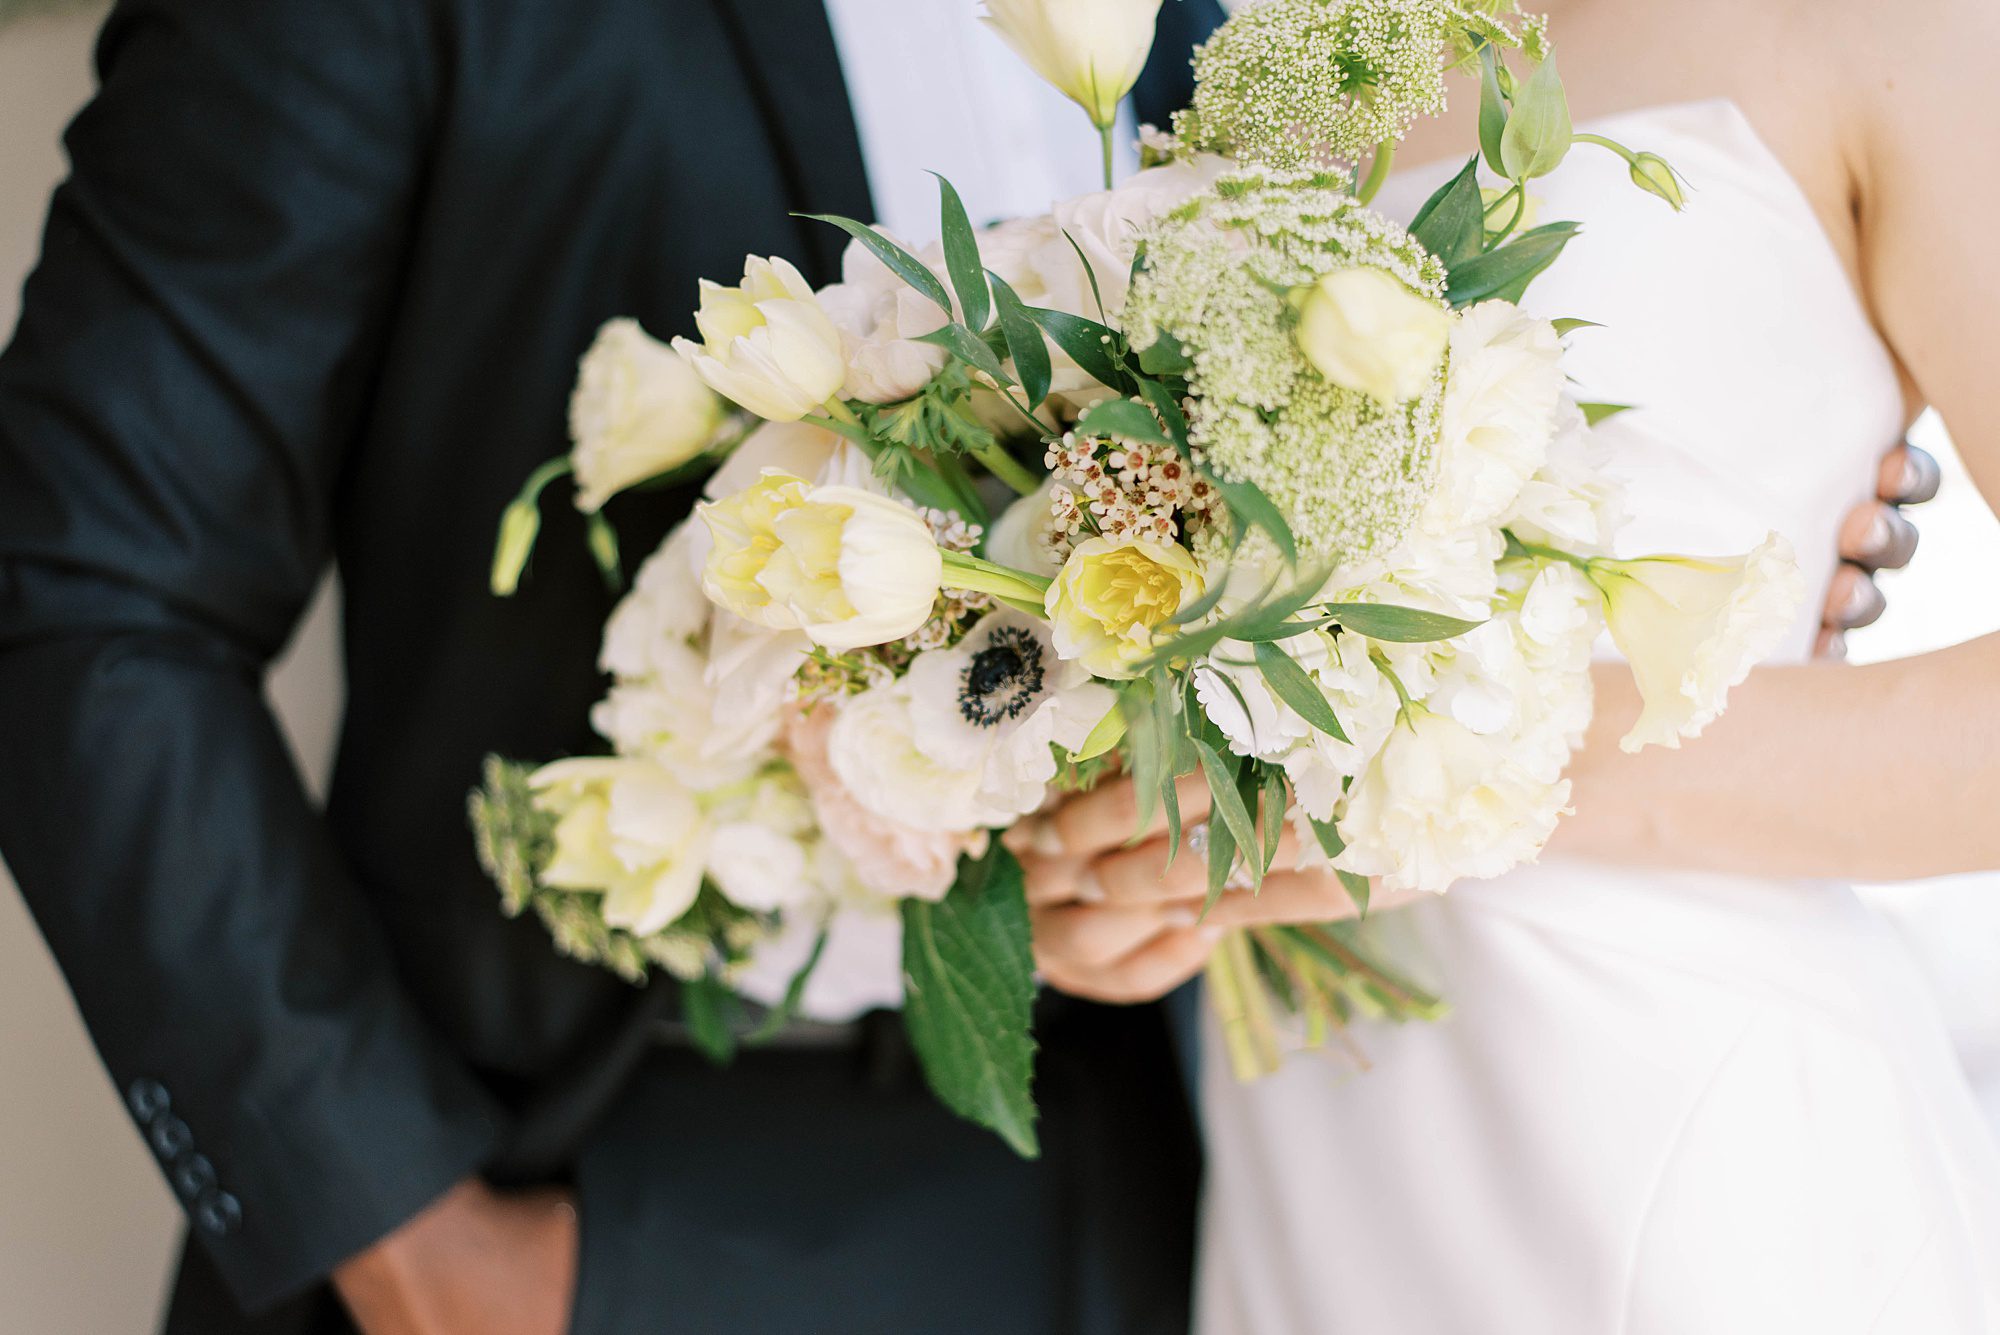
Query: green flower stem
[1378, 172]
[1104, 134]
[1019, 589]
[1630, 157]
[1517, 194]
[840, 412]
[521, 524]
[995, 459]
[1516, 547]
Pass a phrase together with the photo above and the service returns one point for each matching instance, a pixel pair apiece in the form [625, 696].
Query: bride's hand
[1875, 536]
[1114, 922]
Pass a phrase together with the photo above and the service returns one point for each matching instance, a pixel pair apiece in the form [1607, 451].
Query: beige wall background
[87, 1230]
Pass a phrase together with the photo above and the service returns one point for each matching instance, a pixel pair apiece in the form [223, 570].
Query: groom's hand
[1875, 536]
[477, 1262]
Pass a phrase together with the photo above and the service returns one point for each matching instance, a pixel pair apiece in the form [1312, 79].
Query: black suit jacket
[314, 292]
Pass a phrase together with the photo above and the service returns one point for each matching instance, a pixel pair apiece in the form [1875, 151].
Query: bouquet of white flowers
[1216, 472]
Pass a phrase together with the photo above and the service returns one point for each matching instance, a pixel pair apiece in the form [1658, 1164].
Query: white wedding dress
[1664, 1104]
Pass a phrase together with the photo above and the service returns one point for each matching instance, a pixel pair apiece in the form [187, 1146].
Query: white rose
[766, 344]
[1501, 398]
[1365, 330]
[637, 411]
[627, 829]
[846, 566]
[1693, 627]
[1441, 803]
[1092, 51]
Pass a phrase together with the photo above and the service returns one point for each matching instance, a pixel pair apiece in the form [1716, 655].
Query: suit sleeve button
[218, 1213]
[193, 1176]
[147, 1099]
[170, 1137]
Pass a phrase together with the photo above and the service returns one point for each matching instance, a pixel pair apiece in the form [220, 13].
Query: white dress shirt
[934, 89]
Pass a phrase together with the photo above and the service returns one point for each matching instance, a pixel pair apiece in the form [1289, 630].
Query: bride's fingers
[1152, 971]
[1090, 936]
[1107, 817]
[1288, 897]
[1142, 874]
[1052, 880]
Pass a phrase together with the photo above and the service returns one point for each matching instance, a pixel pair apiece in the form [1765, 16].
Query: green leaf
[970, 988]
[901, 262]
[1357, 887]
[1492, 109]
[1024, 344]
[1221, 862]
[1096, 293]
[1570, 323]
[1295, 686]
[1452, 223]
[1166, 355]
[1226, 801]
[795, 991]
[1505, 273]
[969, 348]
[1123, 417]
[1399, 625]
[1593, 413]
[1273, 811]
[1254, 508]
[1089, 344]
[1108, 732]
[1329, 838]
[961, 256]
[1145, 748]
[1538, 131]
[1168, 405]
[708, 1009]
[603, 541]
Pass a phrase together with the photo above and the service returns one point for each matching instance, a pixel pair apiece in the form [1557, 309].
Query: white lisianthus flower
[880, 317]
[628, 829]
[665, 610]
[964, 740]
[1441, 803]
[638, 411]
[1693, 627]
[1365, 330]
[766, 344]
[846, 566]
[1091, 50]
[1112, 594]
[1501, 399]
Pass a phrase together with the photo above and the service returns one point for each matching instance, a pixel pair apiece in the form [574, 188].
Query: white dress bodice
[1665, 1103]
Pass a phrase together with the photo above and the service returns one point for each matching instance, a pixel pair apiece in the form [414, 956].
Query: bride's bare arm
[1887, 771]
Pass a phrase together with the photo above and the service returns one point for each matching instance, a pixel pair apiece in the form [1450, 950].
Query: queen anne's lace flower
[1349, 472]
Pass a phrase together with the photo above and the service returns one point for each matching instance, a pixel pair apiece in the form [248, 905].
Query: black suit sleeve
[192, 365]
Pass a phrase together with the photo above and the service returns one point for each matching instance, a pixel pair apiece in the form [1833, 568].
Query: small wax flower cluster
[832, 675]
[1121, 489]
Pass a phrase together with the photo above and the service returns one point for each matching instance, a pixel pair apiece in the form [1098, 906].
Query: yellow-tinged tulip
[1113, 594]
[766, 344]
[1364, 330]
[1091, 50]
[847, 567]
[628, 829]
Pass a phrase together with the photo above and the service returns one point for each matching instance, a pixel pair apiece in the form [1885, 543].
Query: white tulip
[847, 567]
[637, 411]
[1092, 51]
[1364, 330]
[1693, 627]
[1441, 803]
[766, 344]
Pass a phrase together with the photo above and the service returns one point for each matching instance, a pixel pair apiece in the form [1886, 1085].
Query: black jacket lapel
[1168, 81]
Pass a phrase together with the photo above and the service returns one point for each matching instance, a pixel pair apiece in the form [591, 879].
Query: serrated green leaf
[1398, 625]
[969, 985]
[1593, 413]
[1092, 346]
[961, 256]
[1295, 686]
[1505, 273]
[901, 262]
[1452, 223]
[708, 1009]
[1024, 344]
[1123, 417]
[1492, 109]
[1538, 132]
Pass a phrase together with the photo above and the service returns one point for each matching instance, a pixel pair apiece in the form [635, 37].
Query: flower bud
[847, 567]
[520, 524]
[1651, 173]
[1091, 50]
[638, 411]
[1364, 330]
[766, 344]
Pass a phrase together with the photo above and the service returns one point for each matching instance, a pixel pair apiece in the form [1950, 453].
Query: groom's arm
[194, 357]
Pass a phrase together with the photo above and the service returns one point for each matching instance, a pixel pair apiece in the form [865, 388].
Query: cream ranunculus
[1441, 803]
[1364, 330]
[1112, 594]
[766, 344]
[628, 829]
[638, 411]
[1693, 627]
[1091, 50]
[846, 566]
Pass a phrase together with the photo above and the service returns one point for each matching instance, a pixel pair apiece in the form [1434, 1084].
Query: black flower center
[1002, 679]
